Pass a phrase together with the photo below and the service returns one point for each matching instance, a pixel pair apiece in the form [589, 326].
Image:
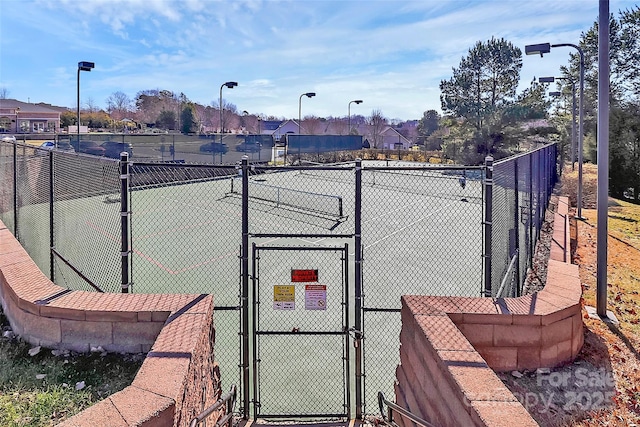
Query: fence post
[516, 226]
[51, 237]
[245, 286]
[124, 220]
[15, 191]
[532, 245]
[358, 288]
[488, 218]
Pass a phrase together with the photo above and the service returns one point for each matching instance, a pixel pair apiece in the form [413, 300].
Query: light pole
[357, 101]
[308, 95]
[541, 49]
[573, 113]
[230, 85]
[82, 66]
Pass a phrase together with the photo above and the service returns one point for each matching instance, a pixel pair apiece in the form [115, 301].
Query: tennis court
[419, 229]
[421, 234]
[185, 238]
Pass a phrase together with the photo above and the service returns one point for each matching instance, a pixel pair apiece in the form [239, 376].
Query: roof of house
[31, 108]
[270, 124]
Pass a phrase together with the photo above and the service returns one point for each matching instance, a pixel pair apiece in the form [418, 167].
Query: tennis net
[325, 204]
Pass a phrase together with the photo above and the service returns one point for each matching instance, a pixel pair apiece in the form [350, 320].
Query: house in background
[393, 140]
[268, 127]
[285, 127]
[386, 138]
[23, 117]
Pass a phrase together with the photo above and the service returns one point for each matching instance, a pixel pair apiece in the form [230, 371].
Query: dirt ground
[602, 386]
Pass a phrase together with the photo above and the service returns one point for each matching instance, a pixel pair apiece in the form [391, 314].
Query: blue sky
[391, 54]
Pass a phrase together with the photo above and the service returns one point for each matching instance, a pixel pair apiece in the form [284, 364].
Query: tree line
[482, 112]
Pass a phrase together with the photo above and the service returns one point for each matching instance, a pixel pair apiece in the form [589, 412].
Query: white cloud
[391, 54]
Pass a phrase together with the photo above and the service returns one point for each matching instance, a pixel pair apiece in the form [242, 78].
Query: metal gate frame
[257, 331]
[244, 170]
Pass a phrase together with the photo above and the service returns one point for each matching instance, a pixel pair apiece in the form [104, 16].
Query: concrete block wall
[178, 378]
[452, 346]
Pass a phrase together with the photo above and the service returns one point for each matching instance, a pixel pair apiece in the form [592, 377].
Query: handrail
[508, 273]
[229, 399]
[393, 407]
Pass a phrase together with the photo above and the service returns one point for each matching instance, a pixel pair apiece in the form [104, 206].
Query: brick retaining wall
[178, 378]
[451, 346]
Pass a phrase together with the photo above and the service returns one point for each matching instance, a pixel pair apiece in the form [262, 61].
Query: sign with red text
[303, 276]
[315, 297]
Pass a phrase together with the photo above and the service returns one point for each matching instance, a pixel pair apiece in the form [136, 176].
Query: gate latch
[357, 336]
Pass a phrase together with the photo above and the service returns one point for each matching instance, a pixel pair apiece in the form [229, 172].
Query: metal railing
[399, 409]
[229, 399]
[508, 277]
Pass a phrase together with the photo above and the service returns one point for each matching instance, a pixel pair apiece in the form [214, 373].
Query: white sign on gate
[315, 297]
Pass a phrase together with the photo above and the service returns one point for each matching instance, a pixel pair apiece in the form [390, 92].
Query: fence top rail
[328, 167]
[422, 168]
[343, 167]
[181, 165]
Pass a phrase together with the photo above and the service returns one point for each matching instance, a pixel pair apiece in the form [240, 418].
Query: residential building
[24, 117]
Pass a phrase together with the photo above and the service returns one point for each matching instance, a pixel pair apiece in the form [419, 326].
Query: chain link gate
[300, 334]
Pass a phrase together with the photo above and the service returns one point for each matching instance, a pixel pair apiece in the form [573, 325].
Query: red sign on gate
[301, 276]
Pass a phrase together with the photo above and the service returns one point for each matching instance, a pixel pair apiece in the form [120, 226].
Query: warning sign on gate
[315, 297]
[284, 297]
[301, 276]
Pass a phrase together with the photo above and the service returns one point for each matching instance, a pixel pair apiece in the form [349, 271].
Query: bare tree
[229, 115]
[340, 126]
[208, 117]
[119, 105]
[377, 122]
[311, 125]
[92, 107]
[4, 93]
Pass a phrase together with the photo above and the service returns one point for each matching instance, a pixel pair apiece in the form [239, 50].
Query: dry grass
[610, 357]
[569, 186]
[621, 343]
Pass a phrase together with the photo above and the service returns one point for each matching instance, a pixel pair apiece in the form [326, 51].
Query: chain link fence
[522, 187]
[212, 149]
[410, 228]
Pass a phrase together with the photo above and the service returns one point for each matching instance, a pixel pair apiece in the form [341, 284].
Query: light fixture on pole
[308, 95]
[82, 66]
[573, 113]
[542, 48]
[230, 85]
[357, 101]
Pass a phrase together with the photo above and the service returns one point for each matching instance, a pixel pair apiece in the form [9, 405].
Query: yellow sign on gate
[284, 297]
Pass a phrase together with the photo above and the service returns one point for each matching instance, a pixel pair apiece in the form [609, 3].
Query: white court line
[401, 208]
[220, 213]
[408, 225]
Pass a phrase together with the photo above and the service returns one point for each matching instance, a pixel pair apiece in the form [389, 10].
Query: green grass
[26, 400]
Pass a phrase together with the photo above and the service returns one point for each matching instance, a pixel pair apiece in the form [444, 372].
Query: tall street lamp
[308, 95]
[82, 66]
[542, 48]
[357, 101]
[573, 113]
[230, 85]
